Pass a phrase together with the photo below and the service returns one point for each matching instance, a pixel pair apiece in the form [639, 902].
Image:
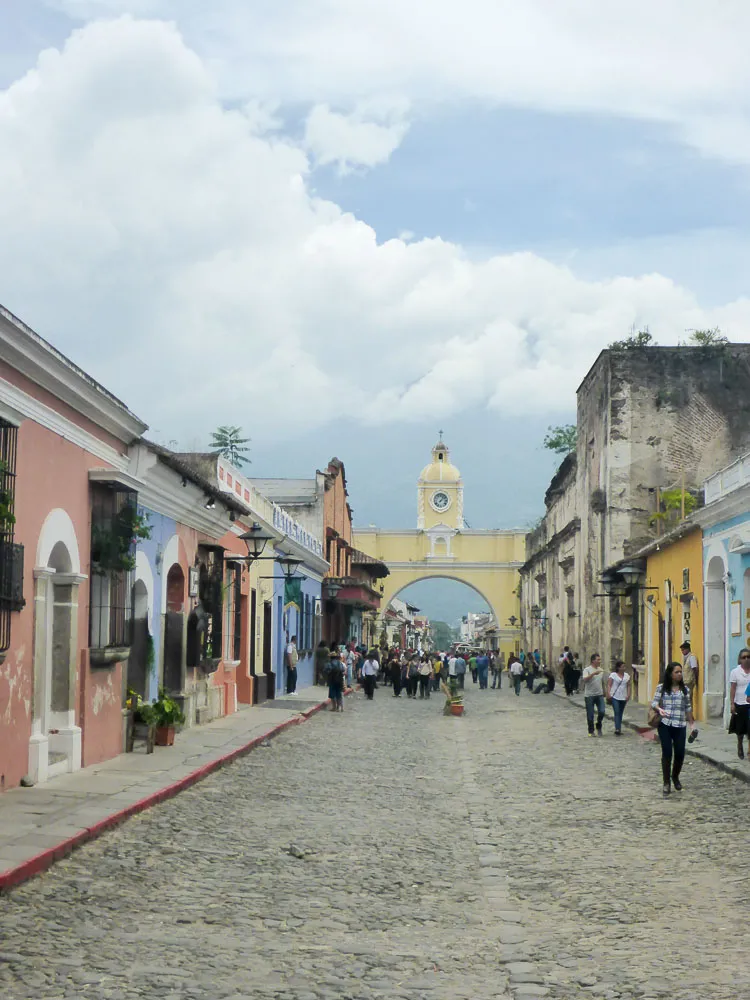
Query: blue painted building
[725, 521]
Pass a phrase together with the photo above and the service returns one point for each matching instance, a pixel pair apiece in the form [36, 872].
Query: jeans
[424, 686]
[497, 679]
[291, 680]
[618, 707]
[482, 673]
[672, 739]
[460, 679]
[592, 701]
[368, 682]
[517, 683]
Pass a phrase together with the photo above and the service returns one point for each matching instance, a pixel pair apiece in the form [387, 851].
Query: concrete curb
[642, 730]
[45, 859]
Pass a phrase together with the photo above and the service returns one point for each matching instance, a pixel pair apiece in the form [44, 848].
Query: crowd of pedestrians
[420, 674]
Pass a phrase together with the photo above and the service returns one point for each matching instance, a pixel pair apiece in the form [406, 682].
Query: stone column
[39, 742]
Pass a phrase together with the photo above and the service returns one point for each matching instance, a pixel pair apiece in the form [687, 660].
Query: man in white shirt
[593, 694]
[291, 666]
[452, 666]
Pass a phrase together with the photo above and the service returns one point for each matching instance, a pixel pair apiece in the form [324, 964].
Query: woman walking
[336, 672]
[394, 669]
[739, 722]
[412, 676]
[618, 693]
[369, 674]
[672, 701]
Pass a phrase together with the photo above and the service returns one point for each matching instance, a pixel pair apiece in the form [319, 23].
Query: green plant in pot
[113, 541]
[454, 700]
[167, 715]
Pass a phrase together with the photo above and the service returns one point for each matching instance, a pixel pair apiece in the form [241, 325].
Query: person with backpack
[672, 703]
[336, 681]
[412, 676]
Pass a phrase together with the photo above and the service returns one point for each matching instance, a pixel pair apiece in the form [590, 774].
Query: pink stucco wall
[51, 473]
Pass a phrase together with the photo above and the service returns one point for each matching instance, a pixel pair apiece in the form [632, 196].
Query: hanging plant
[7, 518]
[113, 543]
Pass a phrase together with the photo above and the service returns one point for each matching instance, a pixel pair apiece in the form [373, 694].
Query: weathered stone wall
[647, 418]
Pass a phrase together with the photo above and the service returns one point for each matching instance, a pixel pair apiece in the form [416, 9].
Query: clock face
[440, 500]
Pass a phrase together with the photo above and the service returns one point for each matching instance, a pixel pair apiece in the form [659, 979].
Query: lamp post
[256, 539]
[289, 565]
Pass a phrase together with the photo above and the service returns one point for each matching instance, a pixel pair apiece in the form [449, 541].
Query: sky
[344, 225]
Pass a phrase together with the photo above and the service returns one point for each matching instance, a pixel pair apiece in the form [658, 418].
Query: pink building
[63, 445]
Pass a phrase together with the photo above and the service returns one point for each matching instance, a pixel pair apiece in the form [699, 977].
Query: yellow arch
[487, 561]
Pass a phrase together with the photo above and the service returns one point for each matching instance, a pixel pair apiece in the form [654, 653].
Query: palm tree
[230, 445]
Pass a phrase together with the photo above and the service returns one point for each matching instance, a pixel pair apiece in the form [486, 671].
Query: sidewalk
[40, 825]
[713, 745]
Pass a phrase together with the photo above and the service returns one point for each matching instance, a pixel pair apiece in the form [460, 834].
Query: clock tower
[440, 493]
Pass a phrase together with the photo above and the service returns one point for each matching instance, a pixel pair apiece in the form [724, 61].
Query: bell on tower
[440, 491]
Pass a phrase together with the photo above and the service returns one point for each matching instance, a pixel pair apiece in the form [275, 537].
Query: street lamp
[512, 620]
[289, 565]
[256, 539]
[332, 589]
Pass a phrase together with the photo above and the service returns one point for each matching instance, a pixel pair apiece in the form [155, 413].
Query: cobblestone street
[391, 852]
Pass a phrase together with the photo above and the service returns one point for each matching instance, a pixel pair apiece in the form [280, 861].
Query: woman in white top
[618, 693]
[739, 724]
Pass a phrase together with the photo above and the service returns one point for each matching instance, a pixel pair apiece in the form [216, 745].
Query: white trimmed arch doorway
[55, 743]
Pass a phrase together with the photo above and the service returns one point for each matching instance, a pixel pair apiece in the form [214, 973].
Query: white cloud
[680, 62]
[351, 140]
[184, 260]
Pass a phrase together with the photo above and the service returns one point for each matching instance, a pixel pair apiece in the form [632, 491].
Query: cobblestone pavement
[391, 852]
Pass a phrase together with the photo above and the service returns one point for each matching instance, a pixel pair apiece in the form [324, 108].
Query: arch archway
[174, 628]
[55, 743]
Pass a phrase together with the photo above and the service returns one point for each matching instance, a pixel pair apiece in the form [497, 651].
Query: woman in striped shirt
[672, 702]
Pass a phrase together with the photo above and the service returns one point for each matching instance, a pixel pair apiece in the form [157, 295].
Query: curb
[647, 732]
[45, 859]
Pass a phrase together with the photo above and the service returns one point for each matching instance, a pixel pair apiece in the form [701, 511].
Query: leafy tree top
[230, 444]
[707, 338]
[561, 439]
[639, 338]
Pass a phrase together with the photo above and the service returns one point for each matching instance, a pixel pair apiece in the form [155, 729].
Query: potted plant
[454, 700]
[113, 541]
[140, 722]
[7, 519]
[167, 715]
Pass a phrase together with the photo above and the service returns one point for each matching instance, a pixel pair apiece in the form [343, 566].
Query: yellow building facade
[442, 547]
[673, 609]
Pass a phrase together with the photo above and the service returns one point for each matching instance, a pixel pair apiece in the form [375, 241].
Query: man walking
[369, 673]
[460, 671]
[483, 666]
[291, 666]
[689, 670]
[516, 673]
[593, 693]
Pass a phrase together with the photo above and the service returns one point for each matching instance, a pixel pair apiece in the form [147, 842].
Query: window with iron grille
[11, 555]
[232, 618]
[113, 514]
[211, 596]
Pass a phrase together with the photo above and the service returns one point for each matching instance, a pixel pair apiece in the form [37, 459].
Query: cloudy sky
[344, 225]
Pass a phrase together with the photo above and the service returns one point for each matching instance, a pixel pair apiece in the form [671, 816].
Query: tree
[561, 439]
[640, 338]
[230, 445]
[707, 338]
